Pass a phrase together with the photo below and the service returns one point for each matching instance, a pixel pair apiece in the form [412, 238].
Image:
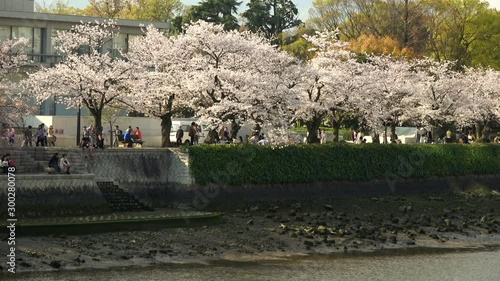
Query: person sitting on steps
[54, 163]
[64, 164]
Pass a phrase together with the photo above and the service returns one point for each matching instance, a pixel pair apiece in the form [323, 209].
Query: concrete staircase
[120, 200]
[25, 163]
[42, 155]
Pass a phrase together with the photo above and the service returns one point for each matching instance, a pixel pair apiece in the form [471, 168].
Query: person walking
[323, 136]
[179, 136]
[354, 135]
[51, 136]
[28, 136]
[118, 135]
[11, 135]
[192, 133]
[40, 136]
[100, 142]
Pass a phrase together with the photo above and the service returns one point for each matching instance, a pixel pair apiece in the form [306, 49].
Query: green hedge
[241, 164]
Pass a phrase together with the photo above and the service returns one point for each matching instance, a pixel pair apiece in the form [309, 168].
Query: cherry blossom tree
[236, 76]
[328, 87]
[14, 106]
[161, 89]
[481, 105]
[387, 99]
[440, 92]
[87, 75]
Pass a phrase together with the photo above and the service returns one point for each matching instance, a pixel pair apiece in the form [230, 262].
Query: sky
[302, 5]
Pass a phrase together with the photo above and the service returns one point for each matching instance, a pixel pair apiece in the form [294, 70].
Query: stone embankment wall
[156, 176]
[54, 195]
[161, 178]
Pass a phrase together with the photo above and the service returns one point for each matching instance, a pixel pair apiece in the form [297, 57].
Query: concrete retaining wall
[54, 195]
[161, 177]
[153, 175]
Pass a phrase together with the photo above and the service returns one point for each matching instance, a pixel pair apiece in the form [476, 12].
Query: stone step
[36, 159]
[118, 199]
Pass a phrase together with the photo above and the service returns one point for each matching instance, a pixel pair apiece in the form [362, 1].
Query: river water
[400, 266]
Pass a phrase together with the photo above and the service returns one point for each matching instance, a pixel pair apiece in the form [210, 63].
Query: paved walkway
[120, 217]
[123, 221]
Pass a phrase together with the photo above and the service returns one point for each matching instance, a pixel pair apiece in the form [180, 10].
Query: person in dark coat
[179, 136]
[54, 162]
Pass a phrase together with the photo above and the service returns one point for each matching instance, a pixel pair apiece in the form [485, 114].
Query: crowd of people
[43, 136]
[129, 137]
[95, 139]
[220, 136]
[194, 133]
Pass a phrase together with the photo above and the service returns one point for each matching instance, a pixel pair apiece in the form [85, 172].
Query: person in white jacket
[64, 164]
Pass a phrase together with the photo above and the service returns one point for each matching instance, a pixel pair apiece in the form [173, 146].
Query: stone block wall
[153, 175]
[54, 195]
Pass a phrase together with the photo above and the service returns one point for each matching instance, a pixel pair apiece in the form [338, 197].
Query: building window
[53, 42]
[4, 33]
[131, 38]
[37, 40]
[26, 32]
[119, 44]
[107, 47]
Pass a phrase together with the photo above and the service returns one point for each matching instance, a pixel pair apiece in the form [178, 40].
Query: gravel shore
[276, 230]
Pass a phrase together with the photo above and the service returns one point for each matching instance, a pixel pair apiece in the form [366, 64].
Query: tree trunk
[479, 131]
[393, 131]
[375, 138]
[235, 128]
[111, 133]
[312, 129]
[97, 119]
[385, 134]
[166, 126]
[336, 130]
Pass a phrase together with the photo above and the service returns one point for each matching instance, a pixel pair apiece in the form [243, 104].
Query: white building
[18, 19]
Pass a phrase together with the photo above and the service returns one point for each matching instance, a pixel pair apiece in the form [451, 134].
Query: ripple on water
[453, 266]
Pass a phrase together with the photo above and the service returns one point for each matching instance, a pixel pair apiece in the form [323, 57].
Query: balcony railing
[54, 59]
[44, 59]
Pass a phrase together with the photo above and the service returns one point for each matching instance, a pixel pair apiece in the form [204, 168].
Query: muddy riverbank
[273, 230]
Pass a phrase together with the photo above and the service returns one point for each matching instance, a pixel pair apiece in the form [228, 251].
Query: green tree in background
[485, 50]
[460, 28]
[150, 10]
[466, 31]
[271, 17]
[403, 20]
[155, 10]
[295, 44]
[105, 8]
[58, 7]
[215, 11]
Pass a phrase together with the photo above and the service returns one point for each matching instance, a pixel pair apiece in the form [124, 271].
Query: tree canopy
[215, 11]
[271, 17]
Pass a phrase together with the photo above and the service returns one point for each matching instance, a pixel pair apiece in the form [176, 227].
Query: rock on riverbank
[269, 230]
